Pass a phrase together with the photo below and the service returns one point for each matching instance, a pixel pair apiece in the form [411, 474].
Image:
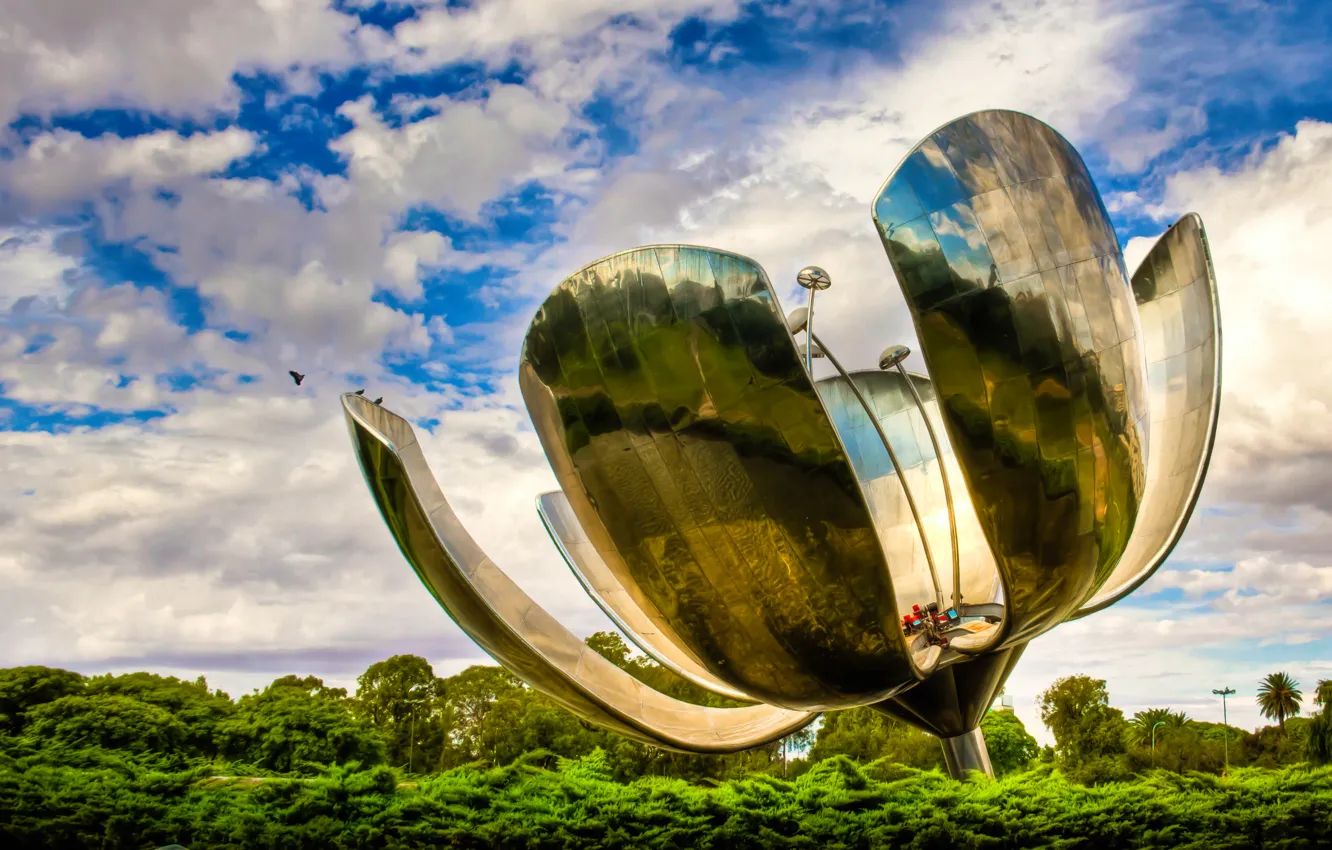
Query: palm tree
[1140, 727]
[1279, 698]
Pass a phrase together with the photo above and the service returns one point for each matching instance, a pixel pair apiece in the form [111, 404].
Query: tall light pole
[1225, 721]
[414, 698]
[1154, 725]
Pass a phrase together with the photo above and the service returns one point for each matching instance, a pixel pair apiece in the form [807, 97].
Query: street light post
[1154, 725]
[415, 696]
[411, 742]
[1225, 722]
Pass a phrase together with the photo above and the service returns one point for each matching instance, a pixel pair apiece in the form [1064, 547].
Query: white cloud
[236, 533]
[64, 166]
[161, 55]
[469, 153]
[499, 30]
[242, 526]
[31, 267]
[1274, 583]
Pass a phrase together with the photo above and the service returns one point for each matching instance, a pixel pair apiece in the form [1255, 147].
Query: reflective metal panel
[953, 700]
[1175, 289]
[905, 427]
[508, 624]
[697, 456]
[606, 590]
[1016, 284]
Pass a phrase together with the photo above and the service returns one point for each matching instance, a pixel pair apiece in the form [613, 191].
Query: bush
[577, 805]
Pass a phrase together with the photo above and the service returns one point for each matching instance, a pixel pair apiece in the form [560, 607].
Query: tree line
[404, 716]
[1095, 742]
[413, 758]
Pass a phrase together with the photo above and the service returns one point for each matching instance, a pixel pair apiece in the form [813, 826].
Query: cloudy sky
[197, 196]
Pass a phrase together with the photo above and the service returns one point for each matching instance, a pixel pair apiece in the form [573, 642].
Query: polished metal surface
[696, 455]
[763, 534]
[514, 629]
[605, 589]
[905, 429]
[903, 485]
[894, 357]
[1175, 290]
[815, 280]
[813, 277]
[1015, 281]
[967, 753]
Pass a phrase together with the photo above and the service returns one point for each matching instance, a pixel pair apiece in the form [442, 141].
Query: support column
[965, 753]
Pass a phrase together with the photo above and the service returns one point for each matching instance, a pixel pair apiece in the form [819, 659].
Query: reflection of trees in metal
[741, 523]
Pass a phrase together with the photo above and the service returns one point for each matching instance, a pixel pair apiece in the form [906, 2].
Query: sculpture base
[965, 753]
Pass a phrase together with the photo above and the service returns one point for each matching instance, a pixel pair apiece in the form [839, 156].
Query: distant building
[1003, 702]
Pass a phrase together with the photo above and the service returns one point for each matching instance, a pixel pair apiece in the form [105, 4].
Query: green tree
[1010, 745]
[1323, 693]
[1142, 724]
[525, 721]
[1090, 735]
[403, 698]
[1279, 698]
[1318, 745]
[22, 688]
[297, 725]
[865, 735]
[470, 696]
[191, 703]
[107, 721]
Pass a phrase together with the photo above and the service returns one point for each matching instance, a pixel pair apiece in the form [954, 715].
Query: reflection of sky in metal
[1029, 325]
[749, 528]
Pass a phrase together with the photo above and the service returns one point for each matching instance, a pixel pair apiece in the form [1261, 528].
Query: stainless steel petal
[605, 589]
[1015, 281]
[1175, 290]
[694, 450]
[514, 629]
[905, 428]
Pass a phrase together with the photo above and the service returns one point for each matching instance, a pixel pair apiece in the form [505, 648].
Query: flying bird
[378, 400]
[296, 376]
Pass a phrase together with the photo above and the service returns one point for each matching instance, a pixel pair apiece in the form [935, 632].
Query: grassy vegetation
[542, 801]
[143, 761]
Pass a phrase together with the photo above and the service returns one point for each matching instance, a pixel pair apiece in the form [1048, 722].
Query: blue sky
[196, 197]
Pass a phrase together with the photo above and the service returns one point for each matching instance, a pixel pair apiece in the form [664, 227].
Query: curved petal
[605, 589]
[693, 448]
[1015, 281]
[1175, 288]
[508, 624]
[905, 428]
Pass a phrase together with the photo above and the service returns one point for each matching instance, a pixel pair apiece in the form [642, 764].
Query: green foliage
[144, 760]
[1090, 735]
[1011, 747]
[1273, 746]
[404, 699]
[189, 703]
[577, 804]
[108, 721]
[1323, 693]
[297, 726]
[1279, 698]
[1318, 743]
[1162, 720]
[21, 688]
[865, 735]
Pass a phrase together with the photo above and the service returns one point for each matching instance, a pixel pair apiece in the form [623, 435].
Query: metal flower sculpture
[874, 538]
